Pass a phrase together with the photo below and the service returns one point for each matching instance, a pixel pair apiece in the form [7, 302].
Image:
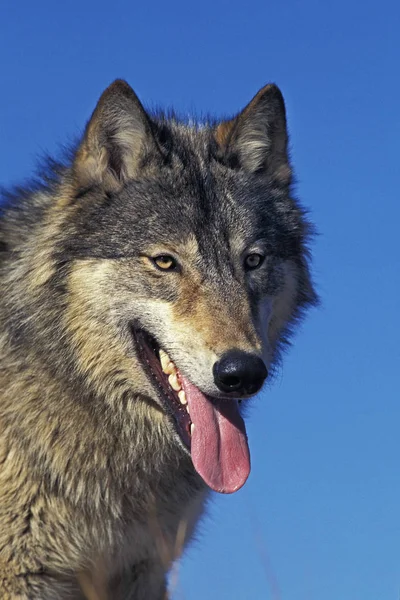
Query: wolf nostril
[240, 372]
[232, 382]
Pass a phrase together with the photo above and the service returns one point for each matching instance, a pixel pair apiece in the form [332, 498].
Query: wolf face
[187, 265]
[172, 262]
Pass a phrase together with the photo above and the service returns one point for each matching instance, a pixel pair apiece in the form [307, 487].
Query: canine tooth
[174, 383]
[191, 428]
[182, 397]
[167, 365]
[170, 369]
[164, 359]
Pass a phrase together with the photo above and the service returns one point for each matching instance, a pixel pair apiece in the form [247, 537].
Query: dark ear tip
[272, 93]
[119, 84]
[272, 88]
[119, 87]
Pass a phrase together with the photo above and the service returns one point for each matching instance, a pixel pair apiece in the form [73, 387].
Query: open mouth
[165, 375]
[211, 429]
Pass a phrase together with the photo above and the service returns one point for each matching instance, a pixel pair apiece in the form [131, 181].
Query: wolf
[148, 284]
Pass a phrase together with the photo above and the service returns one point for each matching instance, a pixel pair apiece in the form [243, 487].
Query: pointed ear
[116, 138]
[256, 140]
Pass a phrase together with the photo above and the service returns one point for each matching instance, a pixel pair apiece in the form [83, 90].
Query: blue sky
[319, 518]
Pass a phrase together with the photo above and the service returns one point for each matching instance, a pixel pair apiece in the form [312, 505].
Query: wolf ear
[116, 138]
[257, 138]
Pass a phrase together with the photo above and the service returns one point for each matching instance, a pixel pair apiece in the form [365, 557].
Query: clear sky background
[319, 518]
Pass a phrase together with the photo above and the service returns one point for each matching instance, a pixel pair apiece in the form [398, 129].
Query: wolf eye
[253, 261]
[165, 262]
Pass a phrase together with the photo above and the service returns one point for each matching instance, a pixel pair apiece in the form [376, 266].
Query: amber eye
[253, 261]
[165, 262]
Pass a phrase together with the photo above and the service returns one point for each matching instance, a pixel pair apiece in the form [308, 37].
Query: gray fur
[97, 493]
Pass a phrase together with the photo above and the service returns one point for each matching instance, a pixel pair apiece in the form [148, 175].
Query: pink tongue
[219, 449]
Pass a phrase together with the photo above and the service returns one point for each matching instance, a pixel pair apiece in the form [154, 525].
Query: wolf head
[186, 266]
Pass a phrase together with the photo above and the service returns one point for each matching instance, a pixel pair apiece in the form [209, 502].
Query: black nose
[240, 372]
